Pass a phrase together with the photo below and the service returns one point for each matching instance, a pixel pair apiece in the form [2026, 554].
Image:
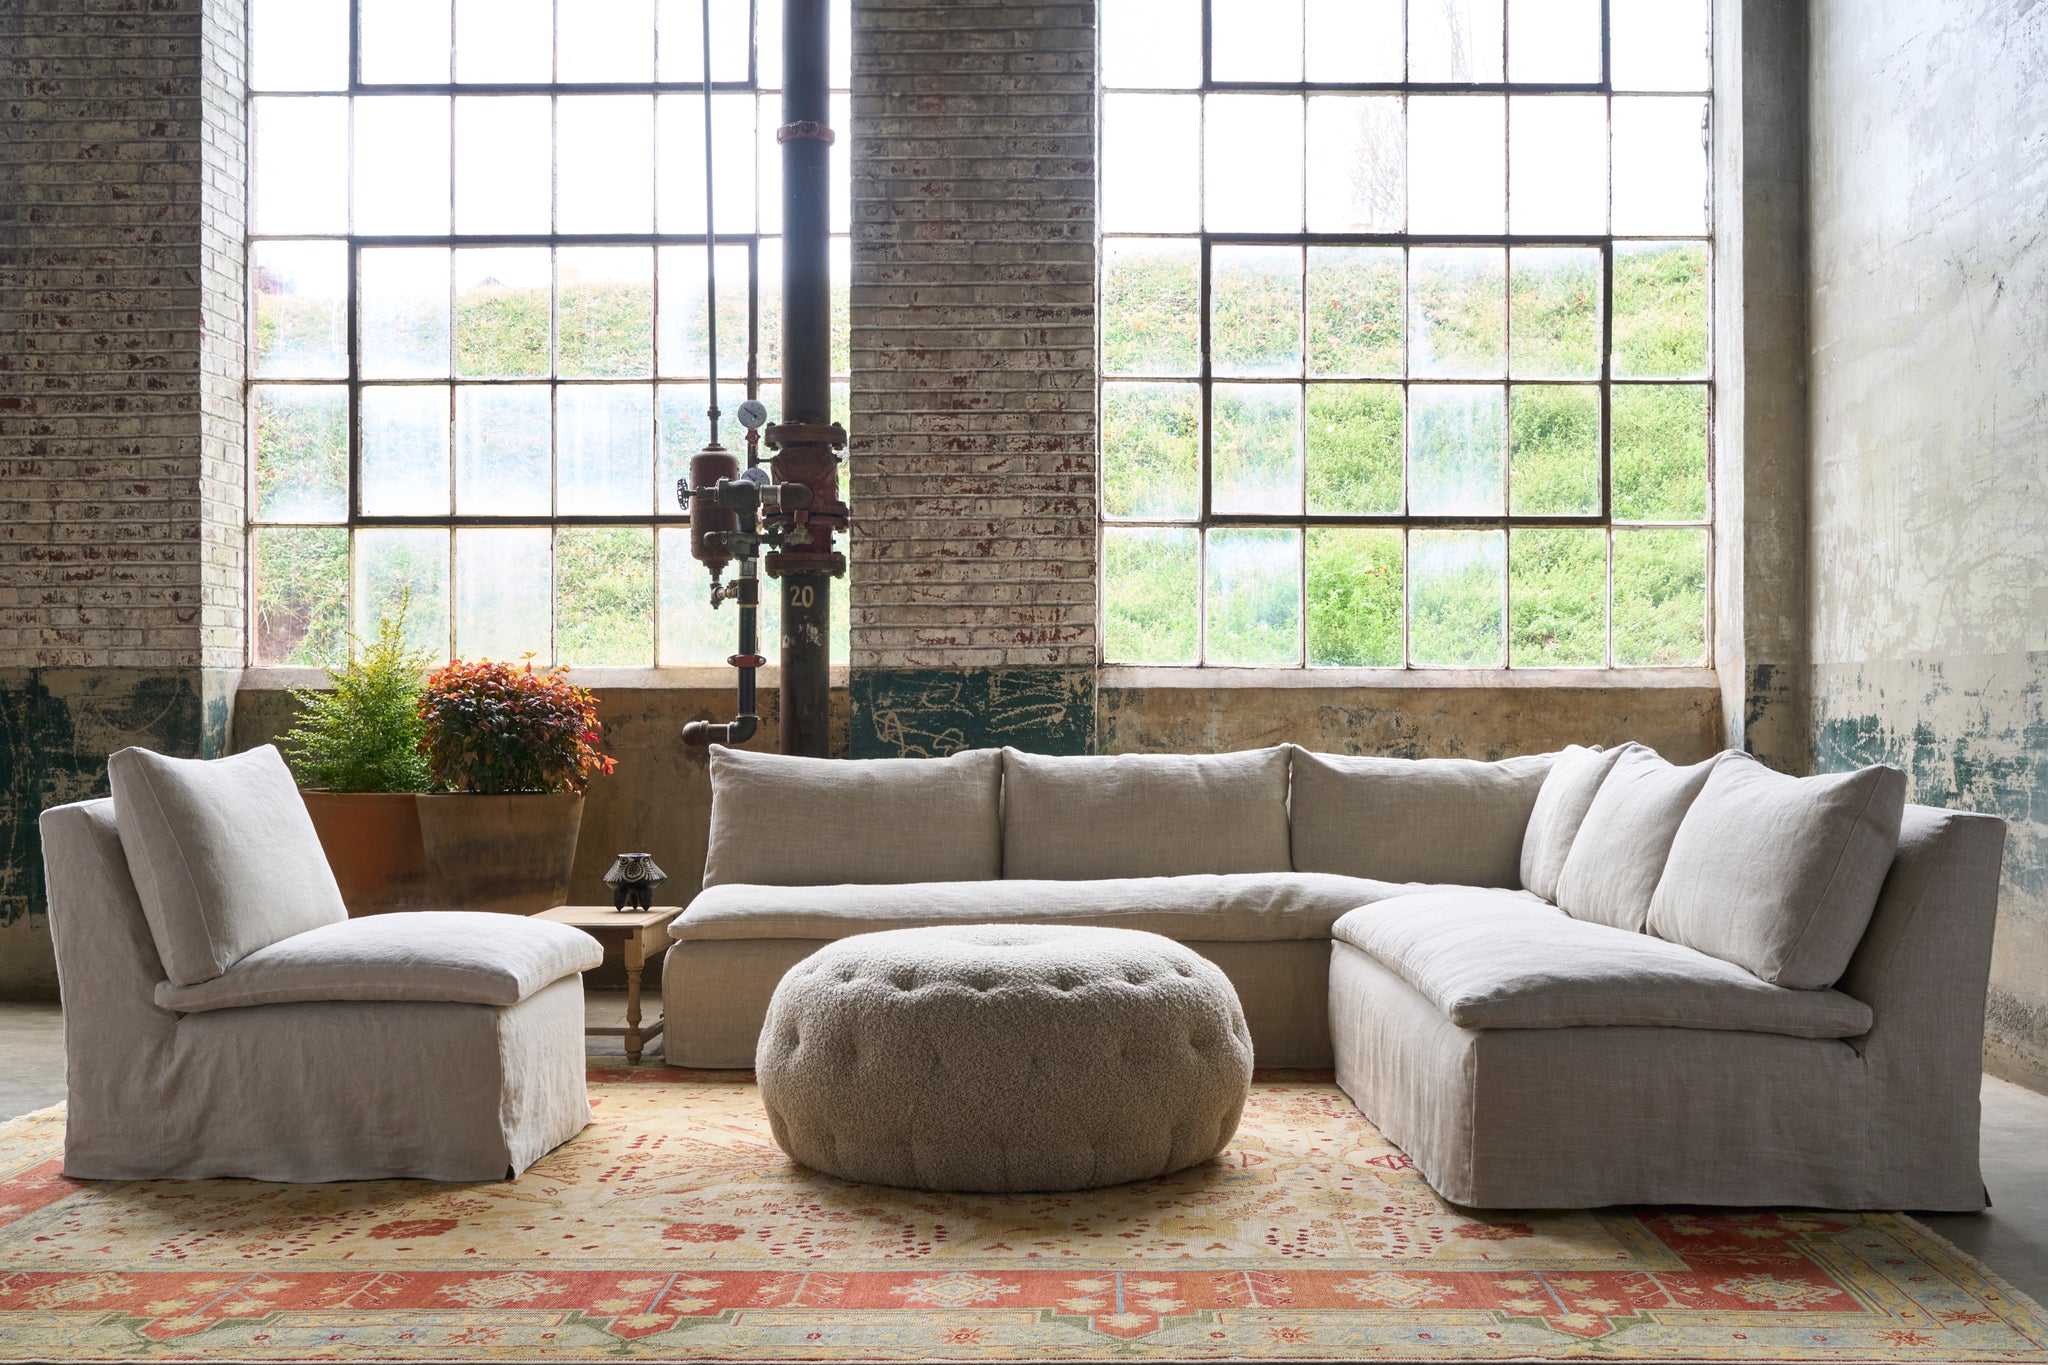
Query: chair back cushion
[1144, 815]
[1618, 855]
[223, 856]
[1568, 791]
[1779, 874]
[779, 820]
[1439, 820]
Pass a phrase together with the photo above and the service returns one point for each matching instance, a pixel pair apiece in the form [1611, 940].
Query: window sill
[703, 678]
[1352, 679]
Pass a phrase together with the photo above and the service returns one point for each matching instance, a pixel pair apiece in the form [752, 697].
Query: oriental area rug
[674, 1229]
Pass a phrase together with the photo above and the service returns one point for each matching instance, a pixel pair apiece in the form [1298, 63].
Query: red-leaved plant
[494, 728]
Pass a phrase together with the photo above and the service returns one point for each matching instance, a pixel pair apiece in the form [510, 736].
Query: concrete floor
[2011, 1238]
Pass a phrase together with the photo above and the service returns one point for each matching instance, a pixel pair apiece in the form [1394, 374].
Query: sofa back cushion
[223, 856]
[1779, 874]
[1144, 815]
[1568, 791]
[778, 820]
[1618, 856]
[1450, 820]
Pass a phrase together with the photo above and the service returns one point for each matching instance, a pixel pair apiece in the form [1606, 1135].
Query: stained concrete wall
[1929, 429]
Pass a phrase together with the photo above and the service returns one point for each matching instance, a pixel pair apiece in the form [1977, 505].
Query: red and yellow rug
[673, 1228]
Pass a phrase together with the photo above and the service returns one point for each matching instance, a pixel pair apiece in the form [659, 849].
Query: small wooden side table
[643, 935]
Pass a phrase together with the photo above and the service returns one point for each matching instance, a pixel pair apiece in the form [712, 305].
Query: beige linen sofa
[224, 1017]
[1562, 980]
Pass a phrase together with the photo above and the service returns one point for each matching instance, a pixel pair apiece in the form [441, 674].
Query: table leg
[635, 960]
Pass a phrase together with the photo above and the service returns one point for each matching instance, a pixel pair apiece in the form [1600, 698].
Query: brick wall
[121, 193]
[972, 461]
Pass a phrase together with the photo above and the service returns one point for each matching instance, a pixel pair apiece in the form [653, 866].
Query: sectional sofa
[1563, 980]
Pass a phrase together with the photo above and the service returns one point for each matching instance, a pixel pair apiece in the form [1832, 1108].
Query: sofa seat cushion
[460, 956]
[1242, 908]
[1488, 962]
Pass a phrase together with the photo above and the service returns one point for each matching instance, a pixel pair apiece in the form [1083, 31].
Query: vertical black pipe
[806, 352]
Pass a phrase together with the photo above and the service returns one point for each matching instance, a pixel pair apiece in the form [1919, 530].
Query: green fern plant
[365, 734]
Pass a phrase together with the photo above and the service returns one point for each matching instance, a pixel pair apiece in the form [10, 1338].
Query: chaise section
[1492, 962]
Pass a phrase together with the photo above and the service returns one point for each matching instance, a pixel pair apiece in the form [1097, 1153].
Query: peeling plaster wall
[1929, 420]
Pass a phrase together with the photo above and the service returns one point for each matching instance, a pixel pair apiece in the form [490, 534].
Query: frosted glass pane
[1151, 450]
[682, 40]
[1355, 440]
[1151, 595]
[404, 295]
[1151, 163]
[1254, 597]
[604, 176]
[1253, 163]
[401, 157]
[300, 438]
[1660, 310]
[502, 301]
[1660, 44]
[1557, 164]
[680, 137]
[1151, 306]
[405, 42]
[1554, 312]
[298, 44]
[1151, 44]
[768, 306]
[1555, 41]
[1356, 144]
[1456, 589]
[501, 450]
[604, 596]
[604, 448]
[1660, 452]
[1457, 312]
[1356, 300]
[1454, 40]
[1660, 598]
[1255, 448]
[1660, 165]
[608, 40]
[685, 340]
[1355, 40]
[504, 176]
[604, 311]
[301, 164]
[300, 293]
[1554, 447]
[404, 451]
[684, 429]
[301, 581]
[1457, 163]
[408, 566]
[503, 592]
[505, 41]
[1455, 455]
[1255, 40]
[693, 632]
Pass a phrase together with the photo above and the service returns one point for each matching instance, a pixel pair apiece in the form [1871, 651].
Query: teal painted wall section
[60, 725]
[929, 713]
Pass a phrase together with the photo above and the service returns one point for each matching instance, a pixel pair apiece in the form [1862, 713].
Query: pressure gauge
[752, 414]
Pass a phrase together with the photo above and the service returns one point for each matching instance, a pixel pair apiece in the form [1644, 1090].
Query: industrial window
[1404, 343]
[477, 343]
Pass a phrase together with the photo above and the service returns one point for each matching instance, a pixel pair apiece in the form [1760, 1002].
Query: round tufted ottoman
[1004, 1057]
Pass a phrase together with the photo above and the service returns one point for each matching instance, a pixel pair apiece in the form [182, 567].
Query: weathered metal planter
[372, 841]
[508, 853]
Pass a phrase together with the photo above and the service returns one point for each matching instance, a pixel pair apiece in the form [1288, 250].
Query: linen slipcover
[1561, 804]
[225, 858]
[460, 956]
[1490, 962]
[1142, 815]
[864, 820]
[1441, 820]
[1778, 874]
[1617, 857]
[292, 1092]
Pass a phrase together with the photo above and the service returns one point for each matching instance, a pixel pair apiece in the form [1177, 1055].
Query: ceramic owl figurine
[632, 880]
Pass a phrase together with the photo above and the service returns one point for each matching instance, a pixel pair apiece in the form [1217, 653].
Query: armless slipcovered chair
[224, 1017]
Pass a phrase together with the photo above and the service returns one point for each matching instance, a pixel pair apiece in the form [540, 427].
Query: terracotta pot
[509, 853]
[372, 841]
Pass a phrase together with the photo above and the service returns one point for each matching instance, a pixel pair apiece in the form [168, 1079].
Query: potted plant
[356, 754]
[511, 751]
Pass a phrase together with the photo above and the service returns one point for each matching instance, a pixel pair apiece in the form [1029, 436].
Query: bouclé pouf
[1004, 1058]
